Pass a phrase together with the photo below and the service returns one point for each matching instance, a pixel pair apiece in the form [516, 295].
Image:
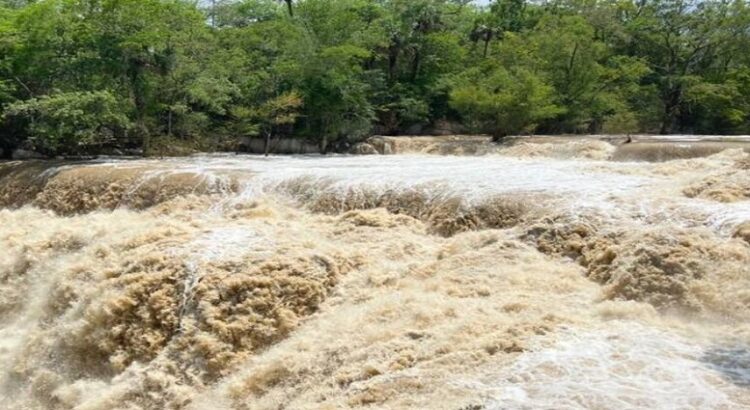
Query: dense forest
[88, 75]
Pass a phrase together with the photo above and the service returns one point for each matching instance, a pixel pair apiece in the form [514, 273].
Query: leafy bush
[502, 102]
[66, 122]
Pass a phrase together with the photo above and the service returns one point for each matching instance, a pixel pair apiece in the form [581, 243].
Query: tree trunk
[671, 105]
[595, 126]
[268, 144]
[289, 7]
[169, 122]
[138, 95]
[487, 39]
[213, 13]
[416, 65]
[324, 145]
[393, 51]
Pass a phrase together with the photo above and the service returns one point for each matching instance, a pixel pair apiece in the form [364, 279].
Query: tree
[211, 70]
[682, 41]
[268, 118]
[336, 94]
[289, 7]
[504, 16]
[276, 112]
[69, 121]
[591, 83]
[502, 102]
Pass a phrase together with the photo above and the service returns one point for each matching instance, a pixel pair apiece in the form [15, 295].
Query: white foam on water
[226, 244]
[472, 177]
[615, 189]
[623, 366]
[722, 217]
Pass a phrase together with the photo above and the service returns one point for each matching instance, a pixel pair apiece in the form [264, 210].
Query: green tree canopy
[214, 70]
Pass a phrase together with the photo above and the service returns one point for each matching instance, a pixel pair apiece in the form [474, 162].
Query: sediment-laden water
[454, 274]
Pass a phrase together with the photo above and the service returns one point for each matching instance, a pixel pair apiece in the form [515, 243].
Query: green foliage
[687, 42]
[502, 102]
[267, 118]
[720, 107]
[67, 121]
[330, 70]
[336, 94]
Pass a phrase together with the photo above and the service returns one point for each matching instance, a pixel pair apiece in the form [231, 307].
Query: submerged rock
[364, 148]
[743, 232]
[22, 154]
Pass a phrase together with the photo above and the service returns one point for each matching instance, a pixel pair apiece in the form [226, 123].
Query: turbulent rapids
[454, 274]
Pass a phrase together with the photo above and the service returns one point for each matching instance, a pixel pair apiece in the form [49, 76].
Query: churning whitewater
[454, 274]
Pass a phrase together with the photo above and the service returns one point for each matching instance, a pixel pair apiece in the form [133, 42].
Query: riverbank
[631, 147]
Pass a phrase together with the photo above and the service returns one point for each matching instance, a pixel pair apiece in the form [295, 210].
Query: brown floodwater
[456, 273]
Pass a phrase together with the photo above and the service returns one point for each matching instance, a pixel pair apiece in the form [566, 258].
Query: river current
[451, 274]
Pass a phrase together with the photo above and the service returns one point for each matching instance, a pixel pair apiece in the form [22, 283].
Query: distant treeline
[80, 75]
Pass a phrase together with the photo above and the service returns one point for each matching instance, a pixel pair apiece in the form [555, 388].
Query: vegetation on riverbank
[80, 76]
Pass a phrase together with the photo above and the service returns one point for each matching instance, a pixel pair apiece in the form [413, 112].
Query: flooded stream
[452, 274]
